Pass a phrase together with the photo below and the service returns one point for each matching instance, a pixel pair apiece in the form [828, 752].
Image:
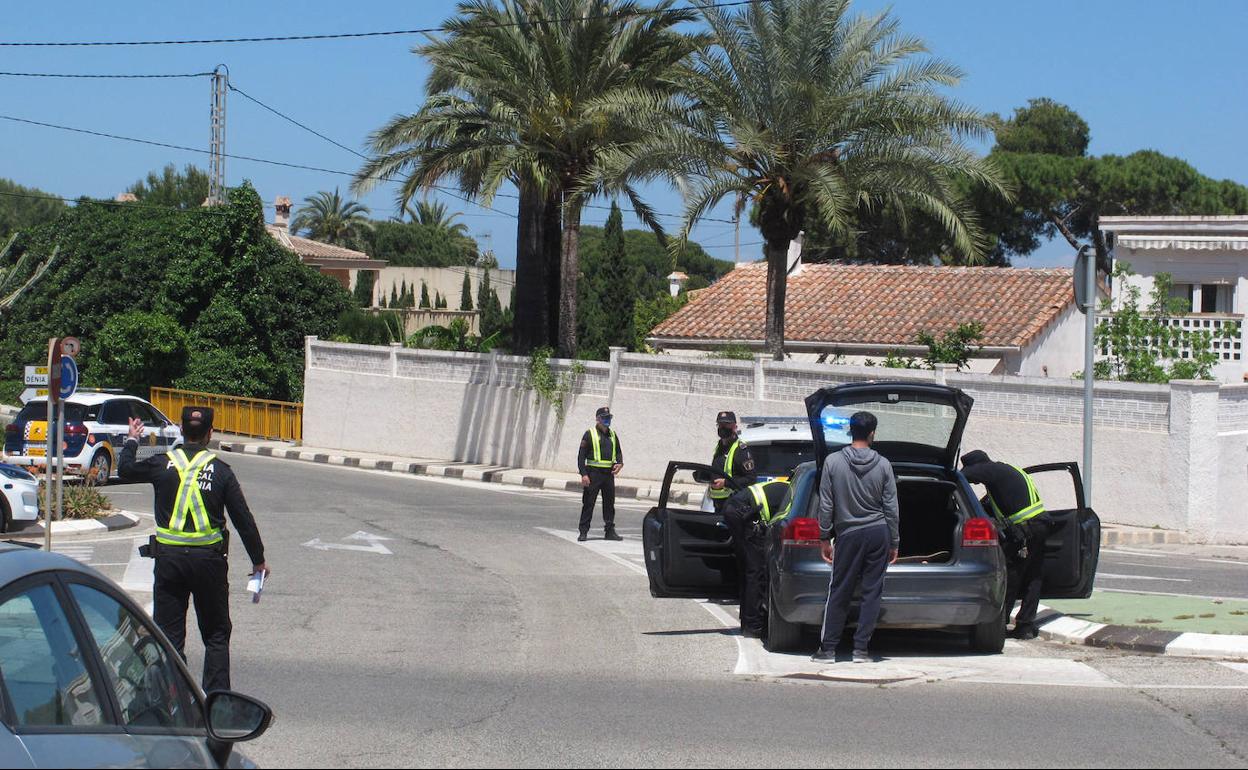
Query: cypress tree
[424, 295]
[465, 296]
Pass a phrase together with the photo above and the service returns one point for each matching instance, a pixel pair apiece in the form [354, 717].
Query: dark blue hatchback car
[951, 571]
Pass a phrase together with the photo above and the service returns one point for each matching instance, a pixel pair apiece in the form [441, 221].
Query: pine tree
[465, 296]
[424, 295]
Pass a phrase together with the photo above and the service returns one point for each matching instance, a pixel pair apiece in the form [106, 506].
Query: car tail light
[979, 532]
[76, 430]
[801, 532]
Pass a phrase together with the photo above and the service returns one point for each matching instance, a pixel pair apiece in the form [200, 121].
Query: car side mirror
[703, 477]
[233, 717]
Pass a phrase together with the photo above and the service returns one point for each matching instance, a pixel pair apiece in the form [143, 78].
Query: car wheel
[6, 518]
[101, 468]
[782, 635]
[989, 637]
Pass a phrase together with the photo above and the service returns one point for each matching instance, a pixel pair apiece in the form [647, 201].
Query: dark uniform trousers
[860, 555]
[749, 545]
[600, 479]
[201, 572]
[1026, 573]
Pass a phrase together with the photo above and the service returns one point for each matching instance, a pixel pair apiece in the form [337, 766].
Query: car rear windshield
[780, 459]
[38, 410]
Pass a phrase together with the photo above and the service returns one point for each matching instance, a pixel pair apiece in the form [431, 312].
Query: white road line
[1137, 553]
[140, 572]
[1185, 596]
[1225, 561]
[1142, 564]
[1140, 577]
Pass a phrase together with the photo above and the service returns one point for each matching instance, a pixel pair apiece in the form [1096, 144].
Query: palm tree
[811, 115]
[327, 217]
[433, 214]
[527, 92]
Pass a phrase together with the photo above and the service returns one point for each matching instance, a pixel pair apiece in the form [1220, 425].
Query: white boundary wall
[1172, 456]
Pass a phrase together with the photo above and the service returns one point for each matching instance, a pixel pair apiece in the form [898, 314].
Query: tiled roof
[309, 249]
[883, 305]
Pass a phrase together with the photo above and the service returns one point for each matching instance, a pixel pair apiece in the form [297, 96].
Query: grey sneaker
[862, 656]
[823, 656]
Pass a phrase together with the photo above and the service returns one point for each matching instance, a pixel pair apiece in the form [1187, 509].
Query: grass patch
[1209, 615]
[1185, 617]
[1238, 612]
[1147, 621]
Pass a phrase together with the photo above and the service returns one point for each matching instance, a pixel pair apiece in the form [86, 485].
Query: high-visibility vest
[759, 491]
[725, 493]
[1034, 506]
[188, 505]
[596, 460]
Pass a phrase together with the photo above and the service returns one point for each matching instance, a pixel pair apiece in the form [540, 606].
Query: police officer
[748, 512]
[193, 490]
[599, 461]
[1024, 525]
[733, 457]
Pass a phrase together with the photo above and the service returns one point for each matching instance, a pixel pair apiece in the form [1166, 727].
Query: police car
[777, 444]
[96, 425]
[19, 497]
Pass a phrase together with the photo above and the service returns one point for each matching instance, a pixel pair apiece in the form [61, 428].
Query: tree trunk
[777, 252]
[570, 272]
[552, 248]
[530, 309]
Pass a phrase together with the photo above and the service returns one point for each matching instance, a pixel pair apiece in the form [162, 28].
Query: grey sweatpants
[860, 554]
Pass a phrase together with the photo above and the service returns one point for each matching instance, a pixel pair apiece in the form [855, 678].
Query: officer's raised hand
[136, 428]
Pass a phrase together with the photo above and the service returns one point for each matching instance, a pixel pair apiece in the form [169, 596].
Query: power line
[353, 35]
[100, 77]
[287, 118]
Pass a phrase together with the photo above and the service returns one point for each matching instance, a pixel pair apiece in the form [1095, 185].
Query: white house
[1207, 259]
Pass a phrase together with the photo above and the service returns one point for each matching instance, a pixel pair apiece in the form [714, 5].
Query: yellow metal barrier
[281, 420]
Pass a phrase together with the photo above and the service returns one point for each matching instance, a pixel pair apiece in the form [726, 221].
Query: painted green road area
[1172, 613]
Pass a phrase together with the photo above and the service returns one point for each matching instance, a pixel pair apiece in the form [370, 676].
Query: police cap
[726, 418]
[603, 411]
[196, 420]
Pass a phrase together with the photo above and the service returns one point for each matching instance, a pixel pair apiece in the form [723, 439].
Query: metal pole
[47, 477]
[1089, 361]
[60, 462]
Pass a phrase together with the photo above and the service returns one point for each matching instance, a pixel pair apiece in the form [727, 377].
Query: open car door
[688, 551]
[1073, 547]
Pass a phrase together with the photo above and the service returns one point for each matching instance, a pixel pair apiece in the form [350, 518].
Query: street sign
[37, 376]
[70, 346]
[1081, 280]
[32, 393]
[69, 377]
[54, 374]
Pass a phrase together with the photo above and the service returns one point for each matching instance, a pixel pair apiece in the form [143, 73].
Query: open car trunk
[930, 511]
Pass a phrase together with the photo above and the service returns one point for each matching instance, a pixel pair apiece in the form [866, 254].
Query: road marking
[1137, 553]
[374, 544]
[1225, 561]
[1140, 577]
[1164, 593]
[140, 572]
[1142, 564]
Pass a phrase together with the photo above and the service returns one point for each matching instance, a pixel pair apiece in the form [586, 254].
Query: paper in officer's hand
[255, 585]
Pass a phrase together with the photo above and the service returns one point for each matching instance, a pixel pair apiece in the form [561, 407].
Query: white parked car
[19, 497]
[778, 445]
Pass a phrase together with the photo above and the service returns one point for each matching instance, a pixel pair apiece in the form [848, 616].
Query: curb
[1110, 535]
[499, 474]
[111, 523]
[1056, 627]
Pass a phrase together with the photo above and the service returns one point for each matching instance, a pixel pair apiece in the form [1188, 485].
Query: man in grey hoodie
[857, 507]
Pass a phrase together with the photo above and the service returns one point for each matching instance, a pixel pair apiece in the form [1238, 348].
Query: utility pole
[736, 238]
[216, 168]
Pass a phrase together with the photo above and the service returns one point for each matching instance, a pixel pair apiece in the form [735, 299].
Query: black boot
[611, 534]
[581, 538]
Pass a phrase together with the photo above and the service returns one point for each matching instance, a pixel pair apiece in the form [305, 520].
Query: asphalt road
[1157, 569]
[481, 634]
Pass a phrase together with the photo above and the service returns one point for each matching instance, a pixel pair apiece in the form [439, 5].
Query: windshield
[904, 419]
[779, 459]
[38, 410]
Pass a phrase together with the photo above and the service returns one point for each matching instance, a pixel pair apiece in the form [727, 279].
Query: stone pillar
[760, 375]
[308, 342]
[942, 373]
[615, 372]
[493, 376]
[1192, 479]
[394, 358]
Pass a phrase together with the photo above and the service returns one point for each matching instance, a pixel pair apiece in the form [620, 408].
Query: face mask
[725, 432]
[606, 422]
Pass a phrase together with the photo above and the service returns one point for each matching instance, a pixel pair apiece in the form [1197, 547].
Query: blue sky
[1144, 74]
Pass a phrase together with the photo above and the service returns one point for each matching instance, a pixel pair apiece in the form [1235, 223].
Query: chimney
[282, 217]
[676, 282]
[126, 197]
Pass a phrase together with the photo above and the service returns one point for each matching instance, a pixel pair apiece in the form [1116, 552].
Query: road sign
[70, 346]
[69, 377]
[37, 376]
[32, 393]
